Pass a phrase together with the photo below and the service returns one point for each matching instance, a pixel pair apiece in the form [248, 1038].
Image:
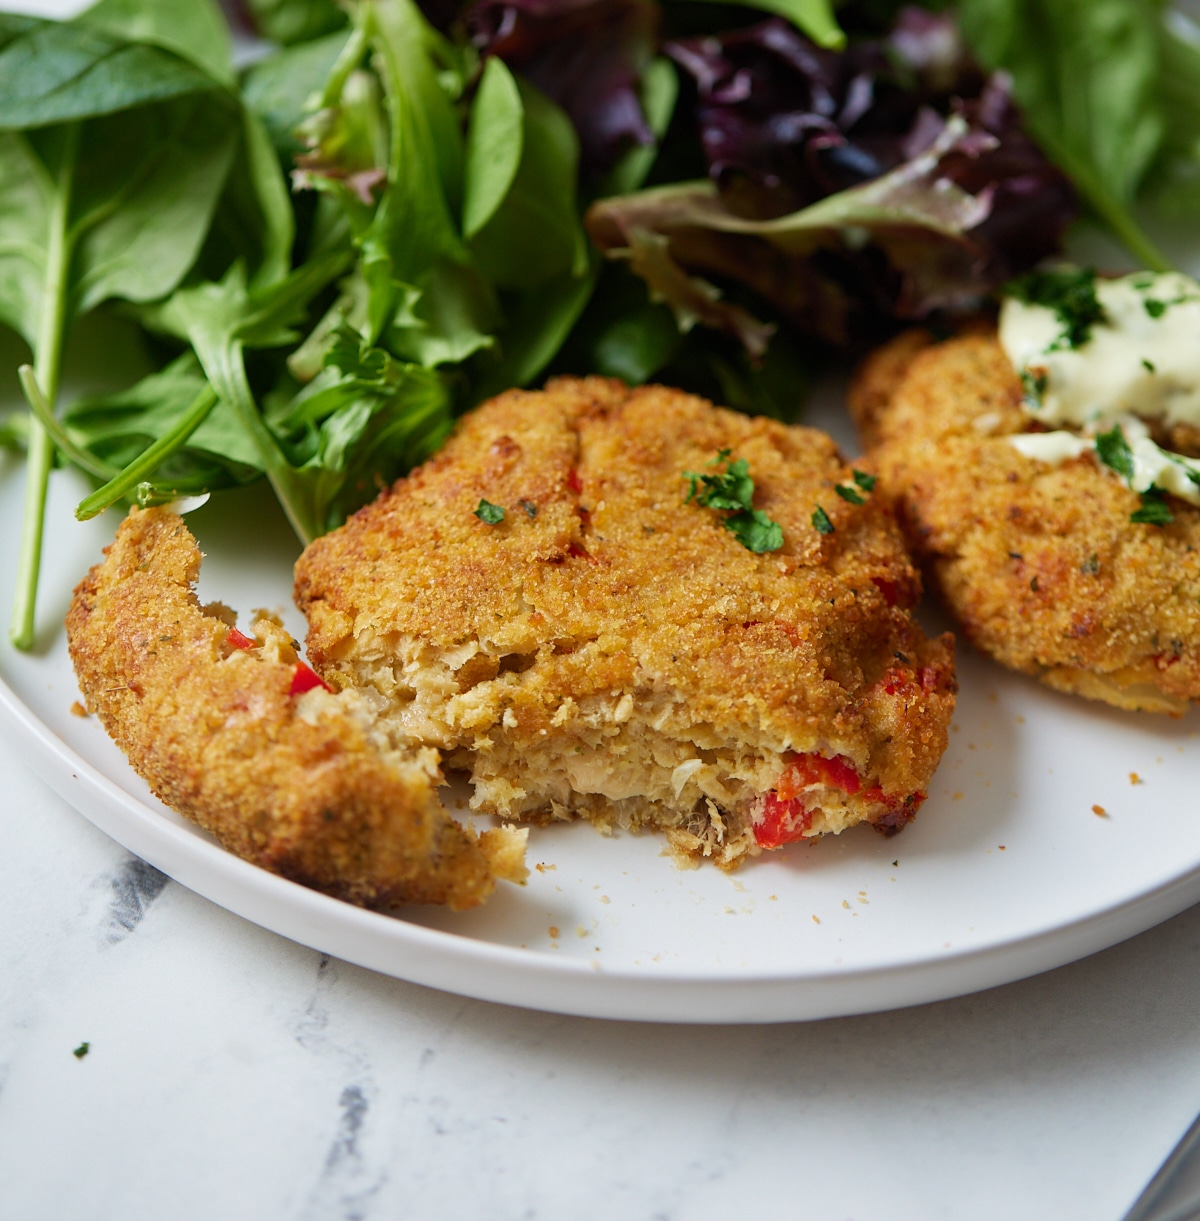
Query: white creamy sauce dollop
[1142, 361]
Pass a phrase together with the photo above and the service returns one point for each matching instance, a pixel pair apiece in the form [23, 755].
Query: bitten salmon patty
[607, 649]
[239, 735]
[1040, 562]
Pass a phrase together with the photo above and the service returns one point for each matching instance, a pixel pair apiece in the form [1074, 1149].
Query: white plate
[1008, 870]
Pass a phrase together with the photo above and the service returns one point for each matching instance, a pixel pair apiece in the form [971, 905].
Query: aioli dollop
[1141, 361]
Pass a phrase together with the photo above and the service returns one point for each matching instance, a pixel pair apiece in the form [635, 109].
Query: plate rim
[533, 978]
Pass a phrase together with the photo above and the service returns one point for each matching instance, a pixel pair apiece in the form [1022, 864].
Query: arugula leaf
[363, 420]
[221, 320]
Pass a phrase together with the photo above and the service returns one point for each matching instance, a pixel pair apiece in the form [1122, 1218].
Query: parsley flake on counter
[490, 513]
[1071, 293]
[82, 1050]
[732, 490]
[821, 522]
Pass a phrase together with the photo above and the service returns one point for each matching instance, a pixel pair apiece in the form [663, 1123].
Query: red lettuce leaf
[587, 55]
[887, 182]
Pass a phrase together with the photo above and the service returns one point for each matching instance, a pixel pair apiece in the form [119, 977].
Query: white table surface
[234, 1074]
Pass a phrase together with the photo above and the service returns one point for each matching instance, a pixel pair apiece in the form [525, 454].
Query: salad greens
[404, 208]
[112, 156]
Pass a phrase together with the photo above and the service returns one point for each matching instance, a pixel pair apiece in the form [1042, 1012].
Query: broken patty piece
[1039, 561]
[543, 604]
[239, 735]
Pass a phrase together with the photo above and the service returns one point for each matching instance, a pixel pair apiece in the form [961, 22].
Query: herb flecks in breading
[732, 490]
[487, 512]
[821, 522]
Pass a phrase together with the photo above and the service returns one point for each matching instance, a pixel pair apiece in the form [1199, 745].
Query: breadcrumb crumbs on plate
[77, 709]
[816, 919]
[1134, 778]
[1099, 811]
[553, 931]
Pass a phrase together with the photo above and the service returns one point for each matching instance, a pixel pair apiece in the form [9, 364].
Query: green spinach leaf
[1088, 83]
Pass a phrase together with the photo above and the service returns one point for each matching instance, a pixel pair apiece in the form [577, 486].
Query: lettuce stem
[153, 456]
[47, 363]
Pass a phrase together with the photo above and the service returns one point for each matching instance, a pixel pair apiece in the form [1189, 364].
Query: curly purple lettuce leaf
[889, 182]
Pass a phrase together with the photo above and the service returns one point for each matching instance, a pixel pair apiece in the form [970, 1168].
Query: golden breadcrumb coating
[1039, 562]
[609, 650]
[303, 783]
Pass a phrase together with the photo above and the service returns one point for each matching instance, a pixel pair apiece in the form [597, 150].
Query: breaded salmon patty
[240, 736]
[1039, 561]
[543, 604]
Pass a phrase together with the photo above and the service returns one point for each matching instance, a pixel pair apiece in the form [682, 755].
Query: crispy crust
[606, 633]
[298, 784]
[1040, 563]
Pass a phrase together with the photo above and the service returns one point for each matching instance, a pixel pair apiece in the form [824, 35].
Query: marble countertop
[231, 1073]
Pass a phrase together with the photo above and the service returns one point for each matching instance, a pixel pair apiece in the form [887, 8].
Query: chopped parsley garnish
[1091, 566]
[1113, 450]
[755, 531]
[1154, 511]
[1071, 293]
[852, 494]
[490, 513]
[821, 522]
[1148, 365]
[530, 508]
[1156, 308]
[81, 1051]
[732, 491]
